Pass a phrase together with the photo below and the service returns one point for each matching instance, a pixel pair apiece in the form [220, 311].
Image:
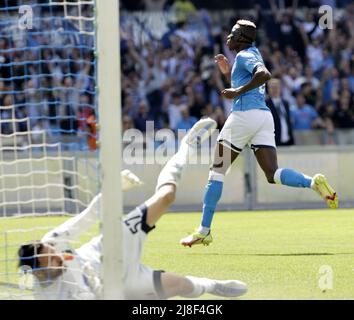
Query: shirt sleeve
[249, 61]
[75, 226]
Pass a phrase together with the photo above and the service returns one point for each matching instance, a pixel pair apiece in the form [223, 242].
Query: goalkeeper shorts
[140, 281]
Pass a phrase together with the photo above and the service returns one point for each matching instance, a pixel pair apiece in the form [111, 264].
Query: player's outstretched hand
[222, 63]
[129, 180]
[230, 93]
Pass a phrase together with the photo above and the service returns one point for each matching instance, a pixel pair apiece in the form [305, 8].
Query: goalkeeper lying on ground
[63, 273]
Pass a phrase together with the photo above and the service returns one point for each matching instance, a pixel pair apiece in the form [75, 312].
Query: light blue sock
[212, 196]
[292, 178]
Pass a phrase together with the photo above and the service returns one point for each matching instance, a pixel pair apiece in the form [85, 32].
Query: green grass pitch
[277, 253]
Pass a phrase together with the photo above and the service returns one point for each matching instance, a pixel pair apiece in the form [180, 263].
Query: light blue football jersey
[241, 73]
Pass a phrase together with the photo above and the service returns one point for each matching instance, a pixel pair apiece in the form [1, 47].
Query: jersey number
[133, 223]
[262, 89]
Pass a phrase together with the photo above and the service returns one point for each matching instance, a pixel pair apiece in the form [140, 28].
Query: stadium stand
[174, 70]
[168, 72]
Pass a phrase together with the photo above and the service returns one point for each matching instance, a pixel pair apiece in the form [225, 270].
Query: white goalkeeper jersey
[81, 277]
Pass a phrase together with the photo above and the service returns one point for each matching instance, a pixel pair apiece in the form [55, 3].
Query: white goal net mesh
[48, 157]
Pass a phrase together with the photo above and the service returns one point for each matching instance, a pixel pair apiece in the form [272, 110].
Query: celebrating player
[63, 273]
[250, 122]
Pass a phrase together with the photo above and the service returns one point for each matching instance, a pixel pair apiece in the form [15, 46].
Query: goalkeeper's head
[42, 260]
[243, 34]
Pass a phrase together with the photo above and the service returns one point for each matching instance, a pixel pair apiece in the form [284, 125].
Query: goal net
[50, 166]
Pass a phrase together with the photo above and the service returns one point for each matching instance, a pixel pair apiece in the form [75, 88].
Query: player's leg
[171, 174]
[264, 145]
[138, 223]
[193, 287]
[159, 203]
[143, 283]
[267, 159]
[230, 143]
[223, 158]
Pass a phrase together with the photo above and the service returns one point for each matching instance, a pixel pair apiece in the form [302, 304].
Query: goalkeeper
[63, 273]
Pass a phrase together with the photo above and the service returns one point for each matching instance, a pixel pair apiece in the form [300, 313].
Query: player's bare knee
[185, 287]
[182, 286]
[175, 285]
[168, 194]
[170, 197]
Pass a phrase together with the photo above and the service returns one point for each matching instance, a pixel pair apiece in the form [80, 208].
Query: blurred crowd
[47, 74]
[170, 76]
[173, 79]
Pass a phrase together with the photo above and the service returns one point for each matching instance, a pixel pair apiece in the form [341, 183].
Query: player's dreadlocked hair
[248, 29]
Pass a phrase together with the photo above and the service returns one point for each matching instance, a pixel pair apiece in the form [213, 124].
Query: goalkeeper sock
[171, 173]
[292, 178]
[213, 192]
[200, 286]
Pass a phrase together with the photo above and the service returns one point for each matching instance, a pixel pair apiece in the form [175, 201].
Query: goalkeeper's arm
[77, 225]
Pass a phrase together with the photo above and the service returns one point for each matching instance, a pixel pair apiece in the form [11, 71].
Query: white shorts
[140, 282]
[252, 127]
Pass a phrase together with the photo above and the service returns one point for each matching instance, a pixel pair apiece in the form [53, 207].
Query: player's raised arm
[224, 66]
[72, 228]
[77, 225]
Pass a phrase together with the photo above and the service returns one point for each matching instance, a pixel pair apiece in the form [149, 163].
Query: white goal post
[108, 78]
[60, 77]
